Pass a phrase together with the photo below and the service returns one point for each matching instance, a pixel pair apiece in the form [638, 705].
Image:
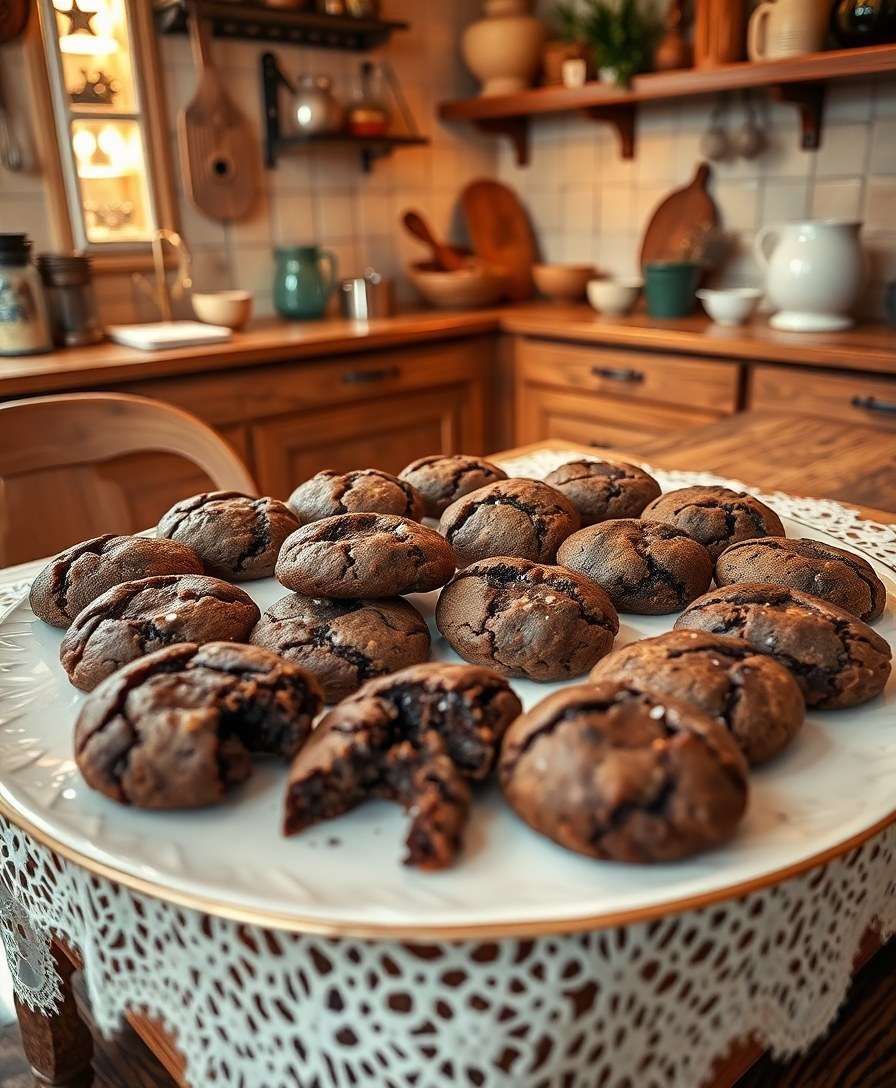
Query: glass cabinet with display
[103, 105]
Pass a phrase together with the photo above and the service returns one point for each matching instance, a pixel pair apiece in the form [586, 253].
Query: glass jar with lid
[70, 299]
[24, 325]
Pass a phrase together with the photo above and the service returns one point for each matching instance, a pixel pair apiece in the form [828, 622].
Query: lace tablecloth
[652, 1003]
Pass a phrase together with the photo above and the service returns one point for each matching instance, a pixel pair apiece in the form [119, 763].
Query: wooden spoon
[446, 257]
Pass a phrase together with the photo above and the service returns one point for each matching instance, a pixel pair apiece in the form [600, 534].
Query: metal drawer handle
[362, 377]
[617, 374]
[872, 404]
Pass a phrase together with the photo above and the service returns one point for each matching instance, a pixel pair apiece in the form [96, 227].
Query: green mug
[670, 288]
[301, 289]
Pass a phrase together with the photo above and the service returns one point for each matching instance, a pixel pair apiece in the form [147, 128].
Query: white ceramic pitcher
[786, 28]
[814, 273]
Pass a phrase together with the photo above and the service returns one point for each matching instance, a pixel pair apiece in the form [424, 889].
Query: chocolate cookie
[136, 618]
[525, 619]
[415, 737]
[753, 696]
[526, 519]
[601, 490]
[443, 479]
[837, 660]
[176, 728]
[364, 555]
[367, 491]
[840, 577]
[716, 516]
[343, 643]
[619, 773]
[77, 576]
[645, 567]
[236, 536]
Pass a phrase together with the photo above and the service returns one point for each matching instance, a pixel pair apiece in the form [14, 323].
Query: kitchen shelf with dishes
[801, 81]
[286, 26]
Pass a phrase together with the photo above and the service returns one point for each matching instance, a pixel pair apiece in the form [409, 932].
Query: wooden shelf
[288, 26]
[370, 147]
[799, 80]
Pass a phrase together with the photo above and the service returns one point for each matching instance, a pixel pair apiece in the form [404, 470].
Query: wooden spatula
[446, 257]
[219, 153]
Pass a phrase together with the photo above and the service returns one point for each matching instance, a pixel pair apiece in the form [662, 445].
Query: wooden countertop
[868, 347]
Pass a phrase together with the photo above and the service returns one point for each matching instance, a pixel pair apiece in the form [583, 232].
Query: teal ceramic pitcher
[301, 289]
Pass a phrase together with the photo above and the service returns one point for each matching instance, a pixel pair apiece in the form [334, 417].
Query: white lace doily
[653, 1003]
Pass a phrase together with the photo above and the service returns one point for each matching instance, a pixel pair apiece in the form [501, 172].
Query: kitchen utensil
[748, 141]
[301, 288]
[714, 143]
[730, 305]
[669, 288]
[614, 297]
[367, 297]
[477, 284]
[501, 234]
[11, 157]
[315, 109]
[814, 274]
[863, 22]
[14, 15]
[74, 317]
[232, 309]
[446, 257]
[219, 151]
[163, 335]
[785, 28]
[719, 32]
[24, 322]
[674, 50]
[681, 222]
[563, 282]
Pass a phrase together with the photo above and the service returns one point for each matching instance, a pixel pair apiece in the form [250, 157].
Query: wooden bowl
[563, 282]
[475, 285]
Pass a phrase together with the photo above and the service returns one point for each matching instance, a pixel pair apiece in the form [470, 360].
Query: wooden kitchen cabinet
[609, 397]
[851, 398]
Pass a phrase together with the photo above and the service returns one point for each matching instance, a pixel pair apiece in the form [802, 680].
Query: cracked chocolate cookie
[415, 737]
[716, 516]
[811, 566]
[622, 774]
[367, 491]
[526, 519]
[136, 618]
[176, 728]
[78, 575]
[344, 643]
[645, 567]
[364, 555]
[237, 537]
[443, 479]
[752, 695]
[836, 659]
[601, 490]
[525, 619]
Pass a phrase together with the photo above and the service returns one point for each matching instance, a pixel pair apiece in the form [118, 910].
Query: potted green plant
[623, 36]
[567, 40]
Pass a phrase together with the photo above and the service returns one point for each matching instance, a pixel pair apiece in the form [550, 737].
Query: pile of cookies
[646, 761]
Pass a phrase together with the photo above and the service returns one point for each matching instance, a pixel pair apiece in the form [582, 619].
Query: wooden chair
[82, 464]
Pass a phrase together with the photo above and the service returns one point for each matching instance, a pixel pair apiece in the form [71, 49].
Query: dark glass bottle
[863, 22]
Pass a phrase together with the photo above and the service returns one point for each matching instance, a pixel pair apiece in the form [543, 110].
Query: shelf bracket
[809, 100]
[622, 118]
[516, 129]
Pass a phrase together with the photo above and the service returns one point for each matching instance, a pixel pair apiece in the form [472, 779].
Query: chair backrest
[82, 464]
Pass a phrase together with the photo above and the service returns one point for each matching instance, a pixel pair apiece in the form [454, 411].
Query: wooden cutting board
[683, 222]
[501, 233]
[219, 154]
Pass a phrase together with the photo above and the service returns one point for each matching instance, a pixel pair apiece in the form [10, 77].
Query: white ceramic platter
[836, 782]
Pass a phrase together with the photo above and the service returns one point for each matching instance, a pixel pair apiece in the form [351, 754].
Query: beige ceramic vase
[503, 50]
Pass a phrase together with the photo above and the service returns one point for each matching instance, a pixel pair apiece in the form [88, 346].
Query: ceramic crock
[301, 288]
[814, 273]
[504, 49]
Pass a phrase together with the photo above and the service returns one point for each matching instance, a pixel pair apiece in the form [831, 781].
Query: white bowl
[614, 297]
[730, 305]
[230, 308]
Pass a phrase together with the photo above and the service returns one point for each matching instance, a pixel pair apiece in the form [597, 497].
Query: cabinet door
[384, 434]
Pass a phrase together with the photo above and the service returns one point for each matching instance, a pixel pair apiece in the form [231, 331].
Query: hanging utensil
[11, 156]
[446, 257]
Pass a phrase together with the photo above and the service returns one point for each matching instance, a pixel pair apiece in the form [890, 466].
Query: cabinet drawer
[632, 375]
[856, 398]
